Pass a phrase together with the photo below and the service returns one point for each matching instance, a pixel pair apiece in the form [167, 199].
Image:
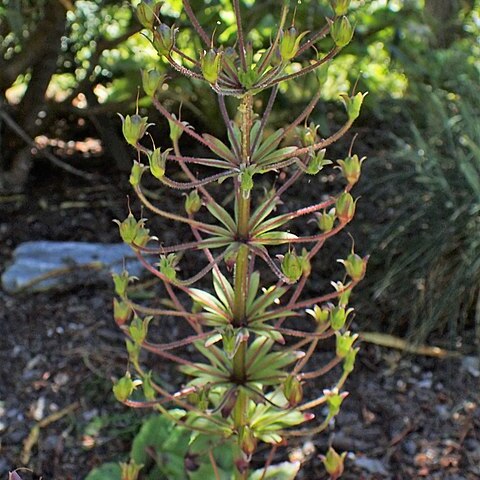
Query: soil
[406, 417]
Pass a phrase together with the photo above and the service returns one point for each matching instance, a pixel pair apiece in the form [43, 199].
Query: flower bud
[355, 266]
[292, 266]
[164, 39]
[293, 391]
[317, 162]
[340, 7]
[134, 128]
[344, 343]
[123, 388]
[319, 314]
[349, 362]
[136, 173]
[305, 262]
[158, 160]
[167, 266]
[333, 463]
[128, 228]
[147, 12]
[341, 31]
[247, 440]
[351, 168]
[130, 471]
[210, 64]
[138, 329]
[345, 207]
[308, 135]
[353, 104]
[326, 221]
[290, 43]
[152, 81]
[338, 317]
[121, 311]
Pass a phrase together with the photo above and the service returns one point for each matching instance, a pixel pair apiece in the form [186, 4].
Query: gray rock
[32, 261]
[371, 465]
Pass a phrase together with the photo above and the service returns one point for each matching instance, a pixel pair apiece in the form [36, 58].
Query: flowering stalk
[249, 386]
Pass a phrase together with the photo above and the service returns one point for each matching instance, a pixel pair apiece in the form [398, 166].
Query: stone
[43, 265]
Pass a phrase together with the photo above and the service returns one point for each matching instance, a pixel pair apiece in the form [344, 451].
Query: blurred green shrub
[429, 253]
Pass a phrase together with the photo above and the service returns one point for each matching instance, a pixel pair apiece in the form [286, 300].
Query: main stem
[241, 273]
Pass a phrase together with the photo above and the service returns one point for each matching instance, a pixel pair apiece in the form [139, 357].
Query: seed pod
[136, 173]
[345, 207]
[142, 236]
[193, 202]
[340, 7]
[290, 43]
[164, 39]
[120, 281]
[341, 31]
[351, 167]
[128, 228]
[138, 329]
[355, 266]
[210, 64]
[152, 80]
[167, 266]
[349, 362]
[147, 386]
[123, 388]
[147, 12]
[158, 160]
[326, 221]
[344, 343]
[292, 266]
[353, 104]
[134, 128]
[121, 311]
[338, 317]
[333, 463]
[293, 391]
[133, 350]
[317, 162]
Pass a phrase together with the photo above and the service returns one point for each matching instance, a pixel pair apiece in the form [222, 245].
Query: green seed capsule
[345, 207]
[152, 80]
[134, 128]
[193, 202]
[147, 12]
[340, 7]
[333, 463]
[123, 388]
[290, 43]
[341, 31]
[210, 64]
[292, 266]
[164, 39]
[351, 168]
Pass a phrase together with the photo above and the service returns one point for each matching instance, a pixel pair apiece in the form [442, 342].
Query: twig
[52, 158]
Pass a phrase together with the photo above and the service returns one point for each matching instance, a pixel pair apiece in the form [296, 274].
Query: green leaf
[223, 289]
[267, 146]
[276, 156]
[108, 471]
[222, 216]
[282, 471]
[218, 147]
[274, 238]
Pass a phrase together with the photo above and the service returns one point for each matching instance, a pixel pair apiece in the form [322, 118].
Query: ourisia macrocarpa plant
[248, 386]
